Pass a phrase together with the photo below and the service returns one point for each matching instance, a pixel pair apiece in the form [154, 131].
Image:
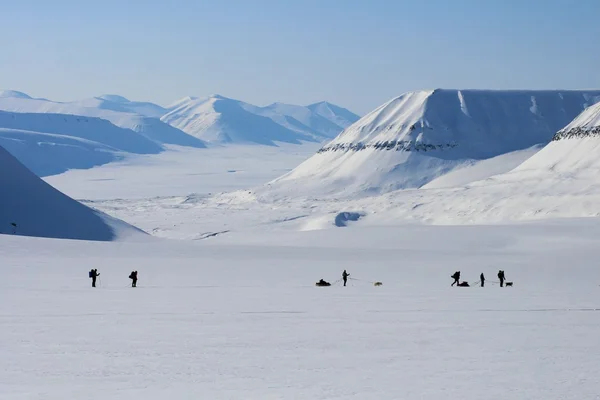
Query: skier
[94, 274]
[456, 277]
[501, 277]
[134, 278]
[482, 279]
[345, 276]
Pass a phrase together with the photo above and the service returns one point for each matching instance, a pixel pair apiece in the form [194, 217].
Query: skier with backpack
[93, 274]
[501, 277]
[456, 277]
[482, 280]
[134, 277]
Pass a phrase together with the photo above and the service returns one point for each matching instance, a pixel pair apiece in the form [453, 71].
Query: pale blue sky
[355, 53]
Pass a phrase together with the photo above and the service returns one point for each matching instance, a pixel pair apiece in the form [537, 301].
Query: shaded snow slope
[53, 143]
[14, 94]
[120, 113]
[477, 170]
[48, 154]
[420, 136]
[37, 209]
[336, 114]
[223, 120]
[90, 128]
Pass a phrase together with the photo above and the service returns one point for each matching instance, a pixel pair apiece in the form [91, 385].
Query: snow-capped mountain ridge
[14, 93]
[220, 119]
[420, 136]
[484, 123]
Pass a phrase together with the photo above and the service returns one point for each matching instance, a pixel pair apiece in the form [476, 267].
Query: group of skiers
[94, 274]
[457, 282]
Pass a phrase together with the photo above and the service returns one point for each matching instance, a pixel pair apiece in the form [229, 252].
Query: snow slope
[420, 136]
[573, 153]
[342, 117]
[53, 143]
[299, 119]
[14, 94]
[89, 128]
[587, 124]
[223, 120]
[49, 154]
[119, 111]
[38, 209]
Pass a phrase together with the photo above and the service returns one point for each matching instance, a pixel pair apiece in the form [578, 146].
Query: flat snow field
[182, 170]
[235, 317]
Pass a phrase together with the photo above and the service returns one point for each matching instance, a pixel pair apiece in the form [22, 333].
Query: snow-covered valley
[226, 306]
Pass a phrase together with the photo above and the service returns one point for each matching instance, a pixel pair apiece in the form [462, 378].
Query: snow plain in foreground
[241, 318]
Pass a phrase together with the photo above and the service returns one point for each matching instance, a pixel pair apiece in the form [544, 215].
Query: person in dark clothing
[94, 274]
[501, 277]
[482, 279]
[456, 277]
[345, 276]
[134, 277]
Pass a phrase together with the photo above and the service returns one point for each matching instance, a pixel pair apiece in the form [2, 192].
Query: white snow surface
[234, 319]
[182, 171]
[37, 209]
[420, 136]
[231, 310]
[219, 119]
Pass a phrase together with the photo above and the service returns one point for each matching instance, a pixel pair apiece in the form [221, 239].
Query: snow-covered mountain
[419, 136]
[336, 114]
[31, 207]
[52, 143]
[121, 104]
[14, 94]
[222, 120]
[118, 110]
[573, 153]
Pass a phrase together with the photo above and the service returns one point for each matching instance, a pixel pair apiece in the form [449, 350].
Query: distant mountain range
[110, 126]
[219, 119]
